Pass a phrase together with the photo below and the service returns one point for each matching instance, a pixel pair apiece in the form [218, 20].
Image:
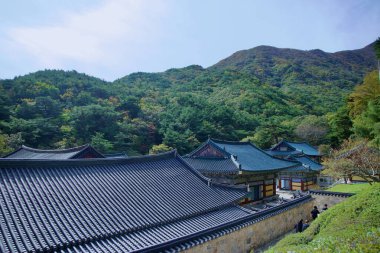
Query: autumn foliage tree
[354, 158]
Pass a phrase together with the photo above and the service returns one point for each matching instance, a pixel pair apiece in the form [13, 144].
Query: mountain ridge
[367, 50]
[302, 64]
[264, 93]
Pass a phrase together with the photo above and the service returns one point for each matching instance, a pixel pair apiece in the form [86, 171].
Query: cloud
[99, 36]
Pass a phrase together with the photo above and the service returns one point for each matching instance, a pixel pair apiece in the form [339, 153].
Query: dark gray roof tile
[71, 153]
[107, 205]
[248, 156]
[310, 163]
[303, 147]
[210, 165]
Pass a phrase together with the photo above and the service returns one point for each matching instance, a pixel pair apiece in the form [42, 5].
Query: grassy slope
[351, 188]
[351, 226]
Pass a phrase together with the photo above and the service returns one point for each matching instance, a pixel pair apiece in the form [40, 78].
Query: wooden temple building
[142, 204]
[239, 163]
[81, 152]
[303, 177]
[287, 148]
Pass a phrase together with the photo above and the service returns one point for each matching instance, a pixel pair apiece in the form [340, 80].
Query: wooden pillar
[291, 184]
[264, 191]
[302, 185]
[274, 187]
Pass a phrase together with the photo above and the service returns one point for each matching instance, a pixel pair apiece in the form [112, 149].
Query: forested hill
[262, 94]
[290, 66]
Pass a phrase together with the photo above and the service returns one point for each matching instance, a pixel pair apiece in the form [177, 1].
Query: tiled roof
[309, 162]
[213, 165]
[151, 238]
[251, 158]
[71, 153]
[282, 153]
[306, 148]
[191, 240]
[106, 205]
[299, 168]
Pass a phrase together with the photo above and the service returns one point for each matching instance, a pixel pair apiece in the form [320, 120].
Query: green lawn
[351, 188]
[350, 226]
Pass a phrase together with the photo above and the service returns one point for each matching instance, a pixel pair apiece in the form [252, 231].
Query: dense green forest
[263, 94]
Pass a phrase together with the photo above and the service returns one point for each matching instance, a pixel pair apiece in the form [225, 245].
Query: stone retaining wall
[330, 198]
[257, 234]
[268, 228]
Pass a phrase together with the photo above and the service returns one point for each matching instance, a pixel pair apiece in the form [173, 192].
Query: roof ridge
[84, 149]
[259, 149]
[210, 142]
[7, 162]
[248, 143]
[206, 157]
[67, 150]
[210, 180]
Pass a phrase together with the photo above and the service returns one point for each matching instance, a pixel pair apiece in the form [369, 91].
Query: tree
[161, 148]
[354, 158]
[47, 107]
[9, 143]
[4, 104]
[100, 143]
[364, 106]
[86, 121]
[312, 129]
[324, 149]
[136, 135]
[130, 105]
[367, 124]
[37, 132]
[363, 93]
[184, 142]
[340, 125]
[261, 138]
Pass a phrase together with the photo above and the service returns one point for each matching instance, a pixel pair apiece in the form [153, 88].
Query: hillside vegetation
[262, 94]
[349, 188]
[350, 226]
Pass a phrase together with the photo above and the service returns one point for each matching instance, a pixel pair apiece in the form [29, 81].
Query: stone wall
[330, 198]
[269, 228]
[257, 234]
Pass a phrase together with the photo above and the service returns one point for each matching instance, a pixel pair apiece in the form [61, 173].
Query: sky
[113, 38]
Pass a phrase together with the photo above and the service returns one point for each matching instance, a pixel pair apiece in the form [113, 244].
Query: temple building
[303, 177]
[239, 163]
[156, 203]
[147, 203]
[286, 148]
[81, 152]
